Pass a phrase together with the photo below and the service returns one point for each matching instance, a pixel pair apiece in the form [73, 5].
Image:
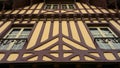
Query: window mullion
[112, 32]
[101, 32]
[51, 6]
[67, 6]
[17, 36]
[8, 33]
[109, 43]
[12, 43]
[57, 6]
[74, 6]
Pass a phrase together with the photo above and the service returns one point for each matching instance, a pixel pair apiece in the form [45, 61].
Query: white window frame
[17, 36]
[102, 34]
[51, 6]
[67, 5]
[98, 28]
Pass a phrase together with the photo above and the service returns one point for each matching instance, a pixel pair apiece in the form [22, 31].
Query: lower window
[15, 39]
[105, 37]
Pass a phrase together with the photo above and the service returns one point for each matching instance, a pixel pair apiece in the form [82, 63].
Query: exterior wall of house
[59, 35]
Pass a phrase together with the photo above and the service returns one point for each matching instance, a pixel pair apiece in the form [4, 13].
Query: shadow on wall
[113, 4]
[1, 5]
[20, 3]
[118, 3]
[103, 3]
[10, 4]
[99, 3]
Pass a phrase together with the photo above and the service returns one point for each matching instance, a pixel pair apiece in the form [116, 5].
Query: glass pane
[107, 32]
[64, 6]
[102, 44]
[48, 7]
[11, 36]
[55, 6]
[18, 45]
[71, 6]
[95, 32]
[23, 36]
[15, 31]
[5, 44]
[115, 43]
[26, 31]
[3, 47]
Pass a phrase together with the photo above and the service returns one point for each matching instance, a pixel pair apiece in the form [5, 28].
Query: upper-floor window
[68, 6]
[15, 38]
[57, 6]
[51, 6]
[105, 37]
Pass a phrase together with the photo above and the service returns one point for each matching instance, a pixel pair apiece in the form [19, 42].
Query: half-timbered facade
[59, 34]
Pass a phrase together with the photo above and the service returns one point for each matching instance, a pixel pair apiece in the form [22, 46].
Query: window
[15, 38]
[51, 6]
[105, 37]
[56, 6]
[68, 6]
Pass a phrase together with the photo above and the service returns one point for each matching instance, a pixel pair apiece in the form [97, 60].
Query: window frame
[16, 38]
[99, 27]
[110, 29]
[59, 6]
[68, 6]
[51, 6]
